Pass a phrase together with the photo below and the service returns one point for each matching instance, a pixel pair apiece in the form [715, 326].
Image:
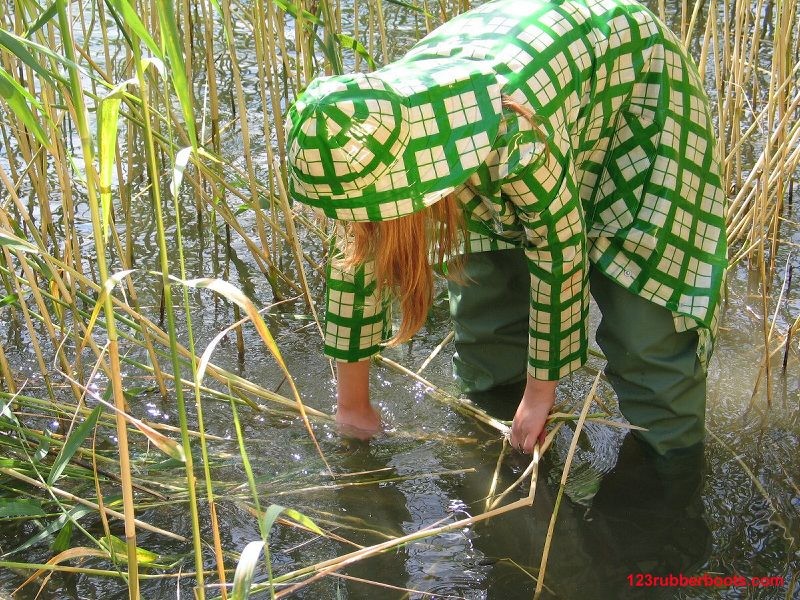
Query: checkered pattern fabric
[625, 176]
[370, 147]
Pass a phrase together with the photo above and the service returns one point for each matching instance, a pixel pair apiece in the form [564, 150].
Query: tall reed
[132, 128]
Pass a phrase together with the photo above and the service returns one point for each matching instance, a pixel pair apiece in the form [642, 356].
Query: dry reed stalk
[63, 569]
[447, 339]
[26, 314]
[504, 449]
[381, 23]
[359, 484]
[89, 571]
[538, 450]
[242, 112]
[324, 568]
[756, 128]
[687, 30]
[6, 375]
[386, 586]
[564, 474]
[719, 52]
[749, 210]
[265, 48]
[223, 211]
[147, 340]
[210, 496]
[737, 87]
[304, 47]
[775, 145]
[80, 115]
[163, 258]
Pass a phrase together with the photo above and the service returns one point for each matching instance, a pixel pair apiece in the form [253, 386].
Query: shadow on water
[646, 517]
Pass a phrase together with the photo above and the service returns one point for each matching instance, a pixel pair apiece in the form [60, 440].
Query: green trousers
[654, 370]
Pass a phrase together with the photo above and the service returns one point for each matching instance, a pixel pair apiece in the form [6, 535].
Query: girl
[572, 144]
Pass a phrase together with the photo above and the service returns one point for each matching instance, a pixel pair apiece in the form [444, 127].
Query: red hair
[404, 250]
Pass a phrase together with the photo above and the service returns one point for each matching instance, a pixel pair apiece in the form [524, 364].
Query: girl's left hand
[531, 416]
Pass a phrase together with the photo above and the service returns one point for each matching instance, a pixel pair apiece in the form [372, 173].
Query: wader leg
[654, 370]
[490, 318]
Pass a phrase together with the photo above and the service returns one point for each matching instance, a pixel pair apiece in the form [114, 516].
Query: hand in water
[531, 416]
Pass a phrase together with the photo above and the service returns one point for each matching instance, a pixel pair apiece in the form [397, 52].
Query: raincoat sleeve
[356, 321]
[540, 183]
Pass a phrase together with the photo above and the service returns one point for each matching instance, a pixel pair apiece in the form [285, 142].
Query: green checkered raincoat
[623, 172]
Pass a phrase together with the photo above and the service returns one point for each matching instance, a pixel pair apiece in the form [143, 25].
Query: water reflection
[645, 520]
[377, 512]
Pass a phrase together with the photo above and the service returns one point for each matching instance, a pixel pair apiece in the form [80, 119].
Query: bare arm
[531, 415]
[354, 412]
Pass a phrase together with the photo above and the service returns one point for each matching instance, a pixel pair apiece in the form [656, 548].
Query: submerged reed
[131, 124]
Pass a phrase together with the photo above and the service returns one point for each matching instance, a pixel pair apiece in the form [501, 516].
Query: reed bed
[142, 145]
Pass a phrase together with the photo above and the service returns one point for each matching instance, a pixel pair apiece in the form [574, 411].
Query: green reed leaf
[132, 20]
[62, 539]
[353, 44]
[107, 131]
[167, 445]
[20, 508]
[44, 446]
[20, 46]
[15, 243]
[270, 516]
[243, 577]
[20, 102]
[328, 43]
[183, 87]
[48, 14]
[118, 550]
[107, 126]
[72, 444]
[56, 525]
[17, 47]
[294, 10]
[412, 7]
[11, 299]
[275, 510]
[5, 411]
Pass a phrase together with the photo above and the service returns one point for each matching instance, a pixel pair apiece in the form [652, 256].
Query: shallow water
[733, 510]
[737, 514]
